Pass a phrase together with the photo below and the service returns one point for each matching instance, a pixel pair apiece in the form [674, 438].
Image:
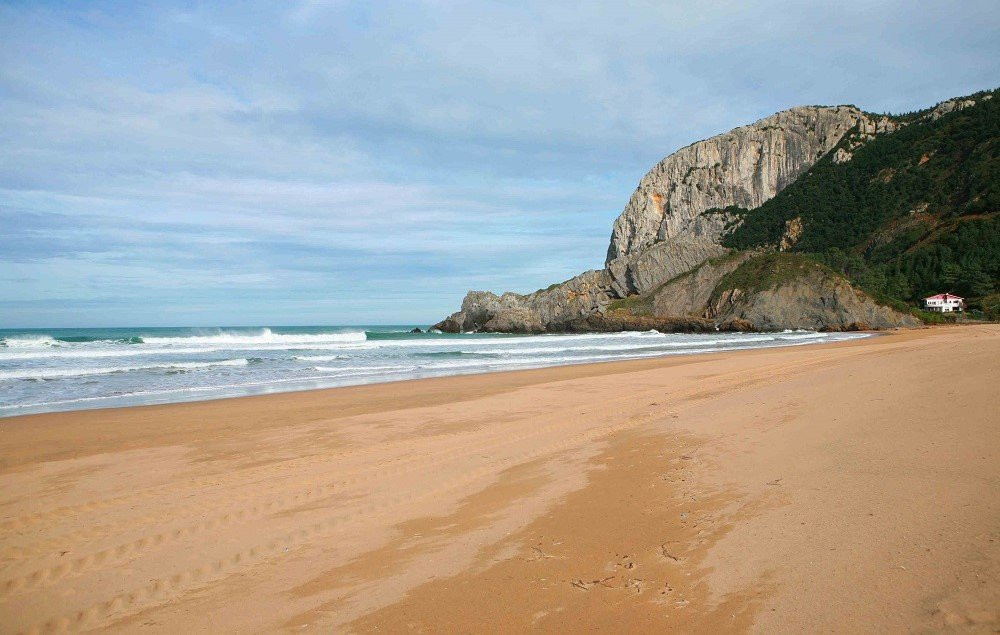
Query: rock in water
[536, 312]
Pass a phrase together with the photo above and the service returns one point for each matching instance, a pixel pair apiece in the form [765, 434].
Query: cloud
[349, 161]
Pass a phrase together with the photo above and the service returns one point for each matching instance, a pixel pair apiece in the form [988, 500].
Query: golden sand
[849, 487]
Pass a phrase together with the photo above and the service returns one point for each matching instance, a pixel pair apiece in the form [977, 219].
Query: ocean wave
[264, 336]
[220, 389]
[56, 373]
[494, 339]
[802, 336]
[26, 346]
[175, 368]
[660, 346]
[102, 353]
[166, 349]
[86, 339]
[29, 341]
[490, 354]
[362, 370]
[528, 362]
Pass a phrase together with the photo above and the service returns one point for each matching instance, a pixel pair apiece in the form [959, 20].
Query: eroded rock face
[743, 167]
[793, 231]
[690, 293]
[815, 301]
[699, 240]
[951, 105]
[586, 294]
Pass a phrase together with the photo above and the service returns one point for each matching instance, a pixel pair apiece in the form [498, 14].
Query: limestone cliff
[745, 167]
[674, 222]
[664, 228]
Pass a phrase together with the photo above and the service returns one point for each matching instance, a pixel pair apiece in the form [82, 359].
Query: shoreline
[191, 393]
[359, 399]
[786, 488]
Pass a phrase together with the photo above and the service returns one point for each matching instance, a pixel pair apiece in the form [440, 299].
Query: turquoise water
[45, 370]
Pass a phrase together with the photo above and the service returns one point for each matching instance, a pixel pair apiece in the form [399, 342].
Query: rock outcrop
[764, 291]
[689, 293]
[538, 312]
[814, 301]
[674, 219]
[619, 320]
[952, 105]
[700, 240]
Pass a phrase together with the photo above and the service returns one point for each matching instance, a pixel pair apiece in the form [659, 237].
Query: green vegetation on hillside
[636, 305]
[990, 306]
[912, 213]
[766, 272]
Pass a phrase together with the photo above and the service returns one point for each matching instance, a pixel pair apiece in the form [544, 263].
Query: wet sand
[849, 486]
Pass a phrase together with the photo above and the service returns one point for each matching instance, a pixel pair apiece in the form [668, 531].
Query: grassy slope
[766, 272]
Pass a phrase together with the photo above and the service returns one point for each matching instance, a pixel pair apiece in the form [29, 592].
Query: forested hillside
[911, 212]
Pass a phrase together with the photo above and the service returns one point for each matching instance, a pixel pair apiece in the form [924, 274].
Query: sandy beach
[845, 487]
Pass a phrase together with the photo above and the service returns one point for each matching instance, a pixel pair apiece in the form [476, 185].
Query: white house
[944, 303]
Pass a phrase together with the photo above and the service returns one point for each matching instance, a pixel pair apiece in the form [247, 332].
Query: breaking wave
[55, 373]
[264, 336]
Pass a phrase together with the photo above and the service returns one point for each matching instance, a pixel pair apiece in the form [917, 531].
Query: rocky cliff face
[674, 222]
[816, 300]
[643, 270]
[664, 227]
[690, 293]
[745, 167]
[764, 291]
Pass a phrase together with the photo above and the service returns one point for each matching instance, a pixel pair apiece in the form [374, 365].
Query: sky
[289, 163]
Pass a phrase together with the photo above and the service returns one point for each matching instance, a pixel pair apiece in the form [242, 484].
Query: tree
[897, 286]
[950, 273]
[979, 282]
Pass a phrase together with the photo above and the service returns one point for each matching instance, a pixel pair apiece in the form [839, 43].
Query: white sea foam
[358, 369]
[55, 373]
[29, 341]
[106, 351]
[263, 336]
[625, 349]
[318, 358]
[799, 335]
[180, 365]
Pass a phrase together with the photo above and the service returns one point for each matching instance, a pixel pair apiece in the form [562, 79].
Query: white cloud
[303, 152]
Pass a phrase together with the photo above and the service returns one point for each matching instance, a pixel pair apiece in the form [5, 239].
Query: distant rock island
[826, 218]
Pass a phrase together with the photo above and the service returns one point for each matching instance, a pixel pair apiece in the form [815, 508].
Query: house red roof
[943, 296]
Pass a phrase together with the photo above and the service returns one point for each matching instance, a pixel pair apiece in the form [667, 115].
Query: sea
[44, 370]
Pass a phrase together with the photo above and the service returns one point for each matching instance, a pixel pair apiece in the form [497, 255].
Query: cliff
[670, 248]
